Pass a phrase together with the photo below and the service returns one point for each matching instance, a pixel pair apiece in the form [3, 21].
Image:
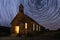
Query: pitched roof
[22, 14]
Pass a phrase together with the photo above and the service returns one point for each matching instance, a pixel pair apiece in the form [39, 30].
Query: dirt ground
[44, 36]
[27, 38]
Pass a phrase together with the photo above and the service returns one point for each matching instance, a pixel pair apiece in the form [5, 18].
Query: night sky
[45, 12]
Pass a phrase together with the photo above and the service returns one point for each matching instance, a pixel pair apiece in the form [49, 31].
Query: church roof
[21, 14]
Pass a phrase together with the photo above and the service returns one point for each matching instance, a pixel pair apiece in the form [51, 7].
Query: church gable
[18, 18]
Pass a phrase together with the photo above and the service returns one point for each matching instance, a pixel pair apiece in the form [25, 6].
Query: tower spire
[21, 8]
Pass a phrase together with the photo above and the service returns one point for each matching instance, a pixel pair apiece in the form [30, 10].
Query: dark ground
[42, 36]
[26, 38]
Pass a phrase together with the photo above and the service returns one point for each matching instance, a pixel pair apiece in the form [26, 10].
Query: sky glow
[45, 12]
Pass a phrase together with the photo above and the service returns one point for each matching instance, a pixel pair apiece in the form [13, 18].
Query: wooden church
[23, 24]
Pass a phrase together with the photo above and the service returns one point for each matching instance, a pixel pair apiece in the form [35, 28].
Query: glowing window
[39, 28]
[36, 27]
[17, 29]
[25, 25]
[33, 27]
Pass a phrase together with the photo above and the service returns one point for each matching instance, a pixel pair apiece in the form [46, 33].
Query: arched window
[36, 27]
[25, 25]
[33, 27]
[17, 29]
[39, 28]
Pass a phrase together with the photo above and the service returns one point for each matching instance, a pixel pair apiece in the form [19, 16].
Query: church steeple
[21, 8]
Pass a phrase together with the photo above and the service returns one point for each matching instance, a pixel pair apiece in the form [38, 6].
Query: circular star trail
[45, 12]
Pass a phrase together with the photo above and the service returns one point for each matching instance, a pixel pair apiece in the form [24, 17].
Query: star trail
[45, 12]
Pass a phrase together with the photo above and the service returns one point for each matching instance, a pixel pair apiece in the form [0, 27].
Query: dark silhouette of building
[4, 31]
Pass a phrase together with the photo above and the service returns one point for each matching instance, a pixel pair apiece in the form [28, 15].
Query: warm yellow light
[33, 27]
[17, 29]
[25, 25]
[36, 27]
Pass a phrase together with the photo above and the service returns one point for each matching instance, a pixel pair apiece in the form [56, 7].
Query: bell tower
[21, 8]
